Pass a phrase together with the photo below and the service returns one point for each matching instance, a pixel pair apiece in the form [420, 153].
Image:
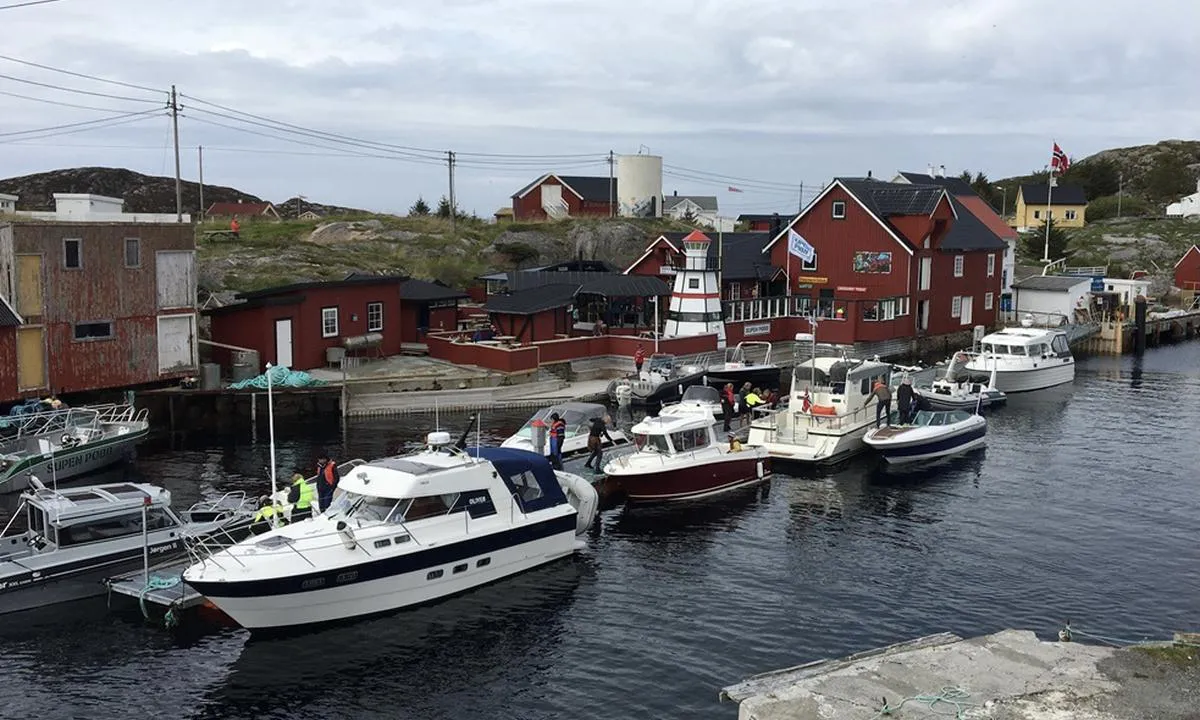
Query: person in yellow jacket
[263, 518]
[301, 496]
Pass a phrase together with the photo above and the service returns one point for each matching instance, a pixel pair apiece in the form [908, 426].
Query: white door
[283, 342]
[925, 270]
[175, 274]
[551, 194]
[176, 343]
[966, 309]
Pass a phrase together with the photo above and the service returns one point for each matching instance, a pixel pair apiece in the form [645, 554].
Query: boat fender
[347, 535]
[760, 469]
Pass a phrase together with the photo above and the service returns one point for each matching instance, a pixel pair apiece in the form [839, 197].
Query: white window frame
[327, 314]
[806, 266]
[956, 306]
[1070, 215]
[988, 300]
[735, 291]
[839, 205]
[375, 324]
[887, 309]
[991, 262]
[902, 306]
[693, 284]
[958, 265]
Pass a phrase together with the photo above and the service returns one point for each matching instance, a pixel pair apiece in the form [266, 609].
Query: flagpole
[1049, 195]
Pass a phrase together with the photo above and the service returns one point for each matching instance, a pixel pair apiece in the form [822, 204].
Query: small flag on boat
[733, 189]
[1059, 161]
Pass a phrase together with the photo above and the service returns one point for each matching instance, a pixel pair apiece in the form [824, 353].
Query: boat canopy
[829, 372]
[576, 415]
[701, 394]
[527, 474]
[71, 503]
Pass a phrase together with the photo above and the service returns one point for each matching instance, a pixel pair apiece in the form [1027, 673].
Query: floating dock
[163, 588]
[1010, 675]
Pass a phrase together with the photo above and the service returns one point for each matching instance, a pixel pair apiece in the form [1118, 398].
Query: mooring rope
[155, 583]
[955, 697]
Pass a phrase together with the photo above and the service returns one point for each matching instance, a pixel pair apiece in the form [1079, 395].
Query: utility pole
[800, 207]
[612, 202]
[178, 181]
[200, 152]
[1120, 190]
[453, 207]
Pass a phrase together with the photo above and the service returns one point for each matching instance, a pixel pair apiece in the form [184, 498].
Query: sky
[354, 103]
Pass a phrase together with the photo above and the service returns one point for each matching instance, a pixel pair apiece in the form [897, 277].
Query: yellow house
[1068, 204]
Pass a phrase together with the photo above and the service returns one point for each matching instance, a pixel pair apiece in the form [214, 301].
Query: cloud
[781, 92]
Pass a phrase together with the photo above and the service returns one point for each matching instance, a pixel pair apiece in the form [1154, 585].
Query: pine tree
[420, 207]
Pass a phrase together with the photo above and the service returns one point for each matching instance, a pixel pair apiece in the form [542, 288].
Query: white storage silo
[639, 185]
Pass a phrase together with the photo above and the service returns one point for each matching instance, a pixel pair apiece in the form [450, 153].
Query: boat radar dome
[438, 438]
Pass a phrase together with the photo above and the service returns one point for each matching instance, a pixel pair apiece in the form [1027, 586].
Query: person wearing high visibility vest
[301, 497]
[262, 521]
[327, 480]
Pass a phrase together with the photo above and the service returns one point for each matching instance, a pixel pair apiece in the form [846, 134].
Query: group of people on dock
[740, 404]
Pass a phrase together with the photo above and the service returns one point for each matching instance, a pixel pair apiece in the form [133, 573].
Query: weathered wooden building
[90, 306]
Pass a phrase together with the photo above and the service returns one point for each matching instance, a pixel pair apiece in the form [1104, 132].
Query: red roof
[697, 236]
[238, 208]
[987, 216]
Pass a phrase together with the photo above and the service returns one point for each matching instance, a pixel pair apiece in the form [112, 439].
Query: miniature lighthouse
[696, 298]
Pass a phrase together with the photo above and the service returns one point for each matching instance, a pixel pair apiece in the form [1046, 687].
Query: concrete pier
[1009, 675]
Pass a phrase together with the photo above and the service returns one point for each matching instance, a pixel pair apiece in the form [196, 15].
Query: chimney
[675, 193]
[942, 171]
[776, 225]
[929, 170]
[868, 174]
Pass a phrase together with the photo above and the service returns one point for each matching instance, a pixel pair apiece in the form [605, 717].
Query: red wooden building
[92, 306]
[1187, 270]
[559, 196]
[892, 260]
[745, 271]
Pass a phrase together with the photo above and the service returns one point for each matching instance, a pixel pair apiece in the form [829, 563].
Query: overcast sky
[759, 94]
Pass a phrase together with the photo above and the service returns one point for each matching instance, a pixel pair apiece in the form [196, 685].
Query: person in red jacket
[728, 400]
[639, 358]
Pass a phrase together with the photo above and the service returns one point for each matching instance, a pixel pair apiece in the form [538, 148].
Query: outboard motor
[347, 535]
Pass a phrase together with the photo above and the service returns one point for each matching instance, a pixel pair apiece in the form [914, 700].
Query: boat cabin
[675, 434]
[1017, 343]
[75, 516]
[835, 385]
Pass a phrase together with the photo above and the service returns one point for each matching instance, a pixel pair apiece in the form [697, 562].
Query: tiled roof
[980, 209]
[1052, 283]
[8, 315]
[968, 232]
[741, 253]
[704, 202]
[611, 284]
[533, 300]
[1035, 194]
[953, 185]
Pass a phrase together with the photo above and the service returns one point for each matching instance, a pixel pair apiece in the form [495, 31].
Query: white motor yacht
[828, 411]
[1024, 359]
[960, 389]
[76, 538]
[403, 531]
[578, 418]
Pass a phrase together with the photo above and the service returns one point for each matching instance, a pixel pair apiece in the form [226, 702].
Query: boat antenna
[271, 432]
[478, 432]
[437, 422]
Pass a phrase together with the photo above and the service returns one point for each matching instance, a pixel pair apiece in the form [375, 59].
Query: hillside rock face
[142, 193]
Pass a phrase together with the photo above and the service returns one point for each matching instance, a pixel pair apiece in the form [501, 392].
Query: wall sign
[847, 288]
[814, 280]
[757, 329]
[876, 263]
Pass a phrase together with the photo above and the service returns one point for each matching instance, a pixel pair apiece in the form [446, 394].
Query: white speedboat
[828, 411]
[679, 457]
[663, 379]
[932, 434]
[76, 538]
[697, 398]
[960, 389]
[1024, 359]
[403, 531]
[66, 443]
[578, 418]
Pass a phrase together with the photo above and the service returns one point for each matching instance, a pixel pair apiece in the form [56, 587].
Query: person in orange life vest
[327, 480]
[235, 227]
[639, 358]
[558, 433]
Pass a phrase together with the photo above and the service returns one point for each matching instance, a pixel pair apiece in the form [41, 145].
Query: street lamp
[1003, 200]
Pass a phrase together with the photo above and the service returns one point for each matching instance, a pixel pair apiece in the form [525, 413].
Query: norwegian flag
[733, 189]
[1059, 161]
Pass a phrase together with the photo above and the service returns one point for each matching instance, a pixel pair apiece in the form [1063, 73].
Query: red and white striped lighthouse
[696, 298]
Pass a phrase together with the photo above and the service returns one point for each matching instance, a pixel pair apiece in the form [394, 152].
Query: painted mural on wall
[876, 263]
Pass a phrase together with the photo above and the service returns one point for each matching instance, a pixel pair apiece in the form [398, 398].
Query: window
[462, 567]
[693, 283]
[902, 306]
[94, 331]
[887, 309]
[434, 574]
[427, 506]
[133, 252]
[807, 266]
[988, 300]
[72, 254]
[870, 310]
[690, 439]
[329, 322]
[991, 264]
[1070, 214]
[374, 317]
[1037, 214]
[483, 562]
[383, 543]
[955, 306]
[735, 291]
[112, 528]
[839, 209]
[958, 266]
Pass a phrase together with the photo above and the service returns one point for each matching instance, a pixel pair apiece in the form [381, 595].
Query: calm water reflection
[1082, 506]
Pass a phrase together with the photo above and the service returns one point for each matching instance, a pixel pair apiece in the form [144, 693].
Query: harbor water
[1083, 507]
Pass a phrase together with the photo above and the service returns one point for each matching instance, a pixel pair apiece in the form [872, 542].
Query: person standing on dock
[904, 400]
[728, 403]
[596, 432]
[558, 433]
[883, 408]
[639, 358]
[327, 480]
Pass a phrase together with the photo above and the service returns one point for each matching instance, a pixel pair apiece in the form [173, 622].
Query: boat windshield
[662, 364]
[578, 421]
[652, 443]
[367, 508]
[702, 394]
[932, 418]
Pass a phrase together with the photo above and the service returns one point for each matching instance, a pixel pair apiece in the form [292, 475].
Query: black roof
[351, 280]
[8, 316]
[953, 185]
[589, 187]
[423, 290]
[967, 232]
[533, 299]
[611, 284]
[753, 217]
[1035, 194]
[741, 253]
[885, 199]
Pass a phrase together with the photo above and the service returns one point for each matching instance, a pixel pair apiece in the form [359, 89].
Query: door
[176, 343]
[966, 309]
[923, 315]
[31, 358]
[925, 269]
[29, 286]
[283, 342]
[175, 276]
[551, 194]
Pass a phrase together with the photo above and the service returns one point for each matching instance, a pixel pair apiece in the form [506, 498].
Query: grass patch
[1184, 655]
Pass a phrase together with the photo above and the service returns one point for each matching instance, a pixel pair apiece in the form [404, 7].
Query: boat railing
[64, 419]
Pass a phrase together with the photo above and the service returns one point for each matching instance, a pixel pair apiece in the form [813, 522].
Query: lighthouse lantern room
[696, 298]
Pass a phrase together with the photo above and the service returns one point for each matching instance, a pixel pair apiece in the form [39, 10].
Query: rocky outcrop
[142, 193]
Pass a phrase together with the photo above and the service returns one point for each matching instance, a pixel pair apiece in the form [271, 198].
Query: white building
[1126, 290]
[701, 207]
[696, 298]
[83, 207]
[1051, 297]
[1188, 206]
[8, 204]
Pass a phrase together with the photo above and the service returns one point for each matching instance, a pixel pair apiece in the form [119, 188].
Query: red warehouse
[295, 325]
[91, 306]
[1187, 270]
[554, 197]
[892, 261]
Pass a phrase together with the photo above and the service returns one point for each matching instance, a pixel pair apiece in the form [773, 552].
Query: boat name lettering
[312, 583]
[159, 549]
[8, 584]
[347, 576]
[477, 500]
[81, 458]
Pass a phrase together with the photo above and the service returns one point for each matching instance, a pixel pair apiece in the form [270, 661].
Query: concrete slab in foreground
[1009, 675]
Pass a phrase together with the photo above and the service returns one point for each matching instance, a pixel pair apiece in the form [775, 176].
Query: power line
[57, 102]
[85, 76]
[26, 4]
[743, 185]
[77, 124]
[731, 178]
[125, 121]
[78, 91]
